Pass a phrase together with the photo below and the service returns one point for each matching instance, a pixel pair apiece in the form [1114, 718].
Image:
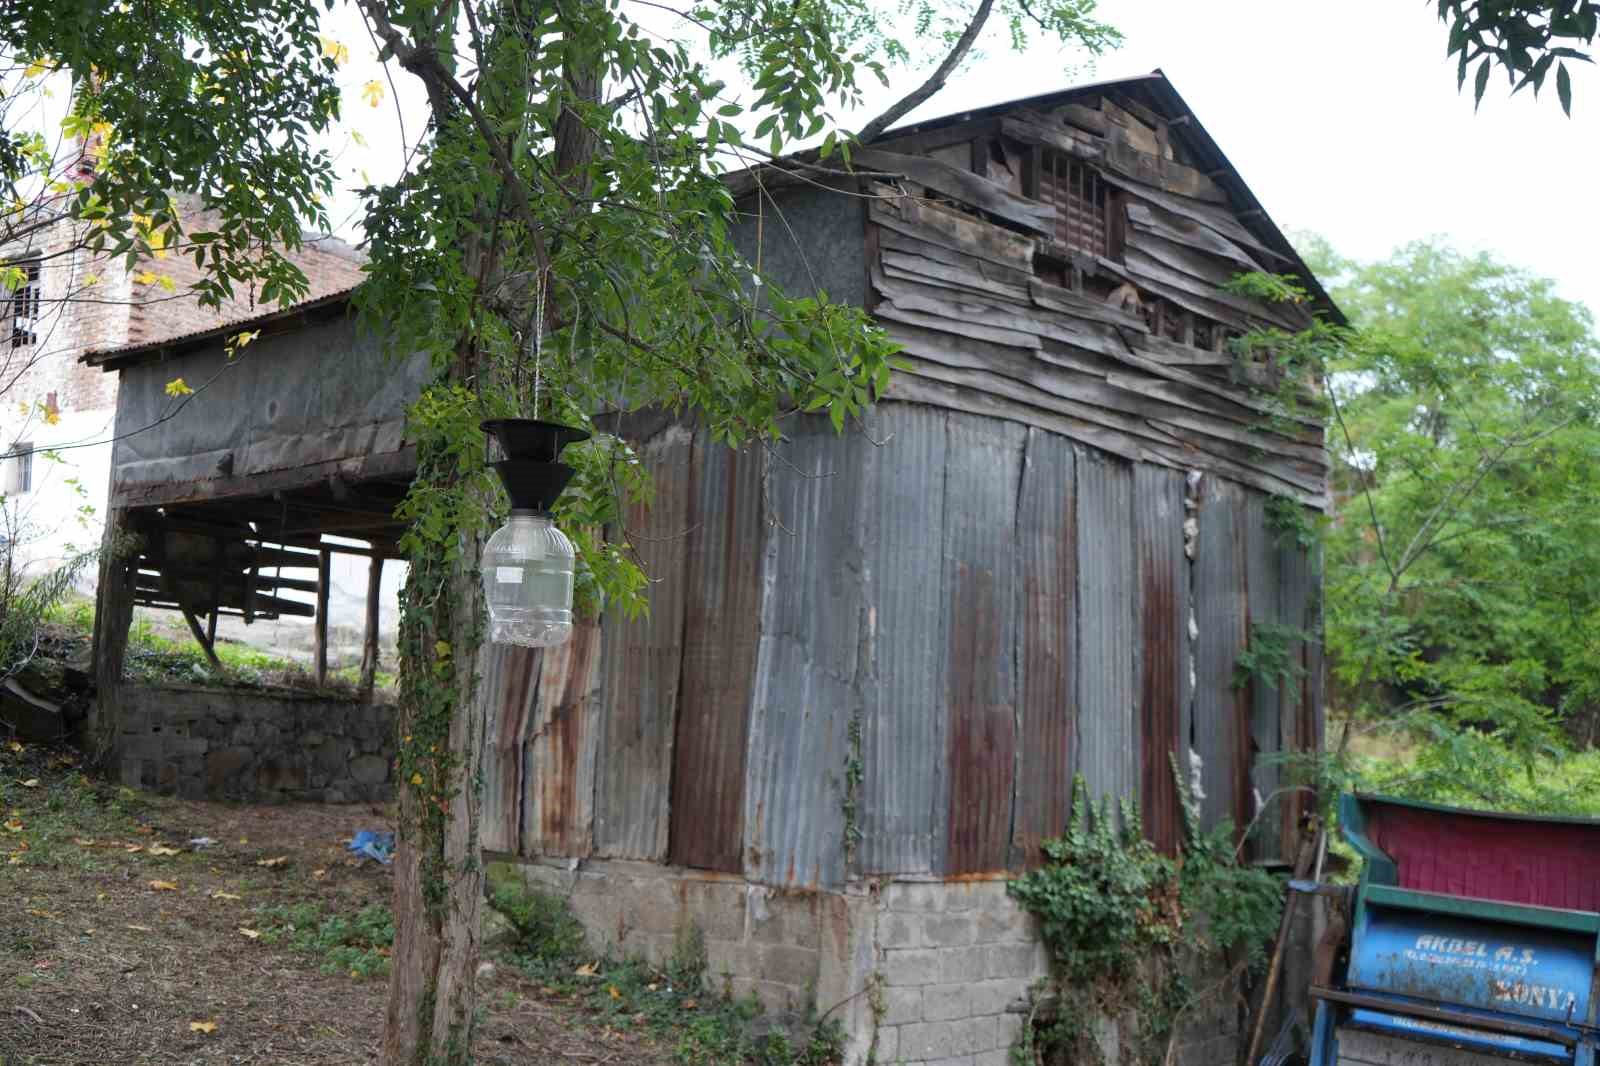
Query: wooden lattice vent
[1080, 198]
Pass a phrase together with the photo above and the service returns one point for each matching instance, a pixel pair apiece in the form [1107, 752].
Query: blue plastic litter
[373, 845]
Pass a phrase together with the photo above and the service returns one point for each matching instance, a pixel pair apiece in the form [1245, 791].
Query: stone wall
[919, 973]
[257, 745]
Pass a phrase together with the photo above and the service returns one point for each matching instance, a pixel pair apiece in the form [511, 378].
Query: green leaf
[1564, 88]
[1480, 84]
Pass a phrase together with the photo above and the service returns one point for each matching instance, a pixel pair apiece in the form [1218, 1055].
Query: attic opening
[1081, 201]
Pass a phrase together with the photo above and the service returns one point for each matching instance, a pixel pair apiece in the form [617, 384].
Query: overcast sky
[1341, 115]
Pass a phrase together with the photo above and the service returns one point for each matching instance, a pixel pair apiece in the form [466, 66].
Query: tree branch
[874, 129]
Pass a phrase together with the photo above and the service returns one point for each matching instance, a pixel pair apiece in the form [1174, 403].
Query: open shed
[288, 450]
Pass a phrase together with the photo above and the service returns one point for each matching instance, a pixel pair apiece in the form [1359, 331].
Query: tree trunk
[438, 871]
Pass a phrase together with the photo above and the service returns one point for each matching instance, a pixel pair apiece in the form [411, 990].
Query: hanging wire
[538, 339]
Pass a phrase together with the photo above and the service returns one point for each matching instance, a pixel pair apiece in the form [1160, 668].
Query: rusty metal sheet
[1264, 570]
[722, 616]
[904, 727]
[812, 659]
[640, 662]
[1221, 732]
[1164, 643]
[507, 683]
[1047, 598]
[1108, 633]
[559, 756]
[982, 476]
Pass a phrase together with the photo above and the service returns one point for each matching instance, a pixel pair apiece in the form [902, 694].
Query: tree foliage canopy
[1524, 38]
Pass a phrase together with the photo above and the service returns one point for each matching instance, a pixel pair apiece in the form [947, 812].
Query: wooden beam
[324, 583]
[199, 634]
[369, 643]
[216, 590]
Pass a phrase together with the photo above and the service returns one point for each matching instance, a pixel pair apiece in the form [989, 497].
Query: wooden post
[216, 589]
[324, 580]
[158, 555]
[113, 615]
[369, 644]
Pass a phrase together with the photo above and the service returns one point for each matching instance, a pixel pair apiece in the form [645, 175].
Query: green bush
[358, 946]
[546, 930]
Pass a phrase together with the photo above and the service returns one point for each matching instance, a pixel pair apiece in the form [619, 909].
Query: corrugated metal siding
[721, 622]
[507, 678]
[904, 726]
[1163, 683]
[1302, 601]
[1047, 557]
[1267, 697]
[558, 818]
[640, 663]
[815, 645]
[1108, 633]
[982, 480]
[1221, 713]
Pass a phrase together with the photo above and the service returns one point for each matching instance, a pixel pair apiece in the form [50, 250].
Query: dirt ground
[123, 943]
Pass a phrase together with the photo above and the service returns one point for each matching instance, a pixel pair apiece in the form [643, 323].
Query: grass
[673, 1002]
[155, 658]
[358, 945]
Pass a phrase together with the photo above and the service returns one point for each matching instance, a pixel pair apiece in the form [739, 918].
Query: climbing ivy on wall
[1130, 929]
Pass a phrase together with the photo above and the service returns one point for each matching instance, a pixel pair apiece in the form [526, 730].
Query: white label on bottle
[508, 575]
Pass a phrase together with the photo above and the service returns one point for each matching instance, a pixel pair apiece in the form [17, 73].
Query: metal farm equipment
[1474, 940]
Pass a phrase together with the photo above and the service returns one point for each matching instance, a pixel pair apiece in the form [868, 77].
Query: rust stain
[563, 690]
[1158, 702]
[982, 747]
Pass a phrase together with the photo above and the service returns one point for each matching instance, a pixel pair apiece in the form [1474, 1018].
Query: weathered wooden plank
[1212, 271]
[1205, 297]
[1055, 298]
[641, 661]
[1055, 136]
[940, 225]
[1088, 119]
[981, 309]
[1171, 353]
[1047, 658]
[894, 240]
[1109, 636]
[962, 185]
[1148, 218]
[1164, 630]
[893, 312]
[558, 784]
[1221, 711]
[722, 616]
[905, 722]
[1116, 400]
[916, 268]
[1213, 216]
[1136, 162]
[982, 473]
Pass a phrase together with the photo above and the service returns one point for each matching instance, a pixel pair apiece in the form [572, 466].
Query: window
[19, 312]
[18, 476]
[1079, 197]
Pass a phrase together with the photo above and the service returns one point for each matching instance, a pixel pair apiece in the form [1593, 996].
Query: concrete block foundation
[920, 973]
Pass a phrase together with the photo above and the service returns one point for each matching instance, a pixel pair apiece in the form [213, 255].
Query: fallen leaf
[614, 993]
[319, 874]
[141, 928]
[690, 1004]
[163, 886]
[83, 842]
[15, 747]
[244, 840]
[253, 934]
[40, 914]
[14, 825]
[279, 861]
[159, 849]
[131, 848]
[223, 895]
[202, 1027]
[589, 969]
[32, 782]
[145, 829]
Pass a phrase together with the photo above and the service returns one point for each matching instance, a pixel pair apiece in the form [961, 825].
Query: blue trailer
[1474, 940]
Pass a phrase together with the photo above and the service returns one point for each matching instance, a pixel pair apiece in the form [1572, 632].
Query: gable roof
[1156, 92]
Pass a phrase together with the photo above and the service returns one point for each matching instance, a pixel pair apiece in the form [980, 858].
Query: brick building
[56, 414]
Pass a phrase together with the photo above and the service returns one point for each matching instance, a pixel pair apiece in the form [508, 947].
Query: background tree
[1463, 563]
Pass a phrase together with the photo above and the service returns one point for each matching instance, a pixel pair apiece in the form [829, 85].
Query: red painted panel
[1514, 860]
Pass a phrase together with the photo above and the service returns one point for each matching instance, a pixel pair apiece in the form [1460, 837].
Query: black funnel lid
[532, 485]
[529, 438]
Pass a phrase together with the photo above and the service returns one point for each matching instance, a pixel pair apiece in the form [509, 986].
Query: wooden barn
[875, 662]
